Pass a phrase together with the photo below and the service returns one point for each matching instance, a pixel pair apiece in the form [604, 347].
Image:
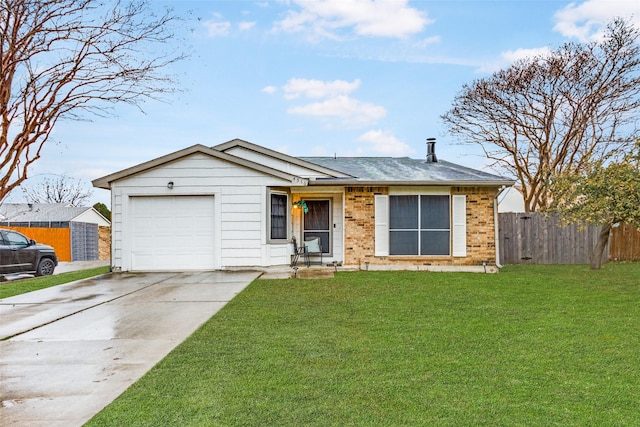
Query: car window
[14, 238]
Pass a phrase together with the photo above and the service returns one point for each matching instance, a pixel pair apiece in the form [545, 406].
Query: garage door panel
[173, 233]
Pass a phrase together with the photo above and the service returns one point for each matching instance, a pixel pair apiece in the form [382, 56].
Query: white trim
[288, 206]
[496, 231]
[419, 191]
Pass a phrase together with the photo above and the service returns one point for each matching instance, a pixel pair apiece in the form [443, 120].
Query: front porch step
[315, 273]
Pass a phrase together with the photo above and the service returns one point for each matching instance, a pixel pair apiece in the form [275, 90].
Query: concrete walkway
[72, 349]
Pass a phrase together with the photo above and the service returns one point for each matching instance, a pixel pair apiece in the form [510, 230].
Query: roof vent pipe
[431, 151]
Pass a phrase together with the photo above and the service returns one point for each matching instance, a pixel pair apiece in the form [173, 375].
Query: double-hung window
[419, 225]
[278, 209]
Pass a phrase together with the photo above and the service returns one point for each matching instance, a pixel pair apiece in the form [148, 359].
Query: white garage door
[172, 233]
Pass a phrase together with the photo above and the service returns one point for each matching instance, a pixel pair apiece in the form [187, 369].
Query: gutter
[496, 230]
[370, 183]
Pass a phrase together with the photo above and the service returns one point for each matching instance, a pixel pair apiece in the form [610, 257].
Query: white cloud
[510, 56]
[383, 142]
[217, 28]
[296, 88]
[269, 89]
[245, 25]
[381, 18]
[428, 41]
[335, 106]
[585, 20]
[351, 112]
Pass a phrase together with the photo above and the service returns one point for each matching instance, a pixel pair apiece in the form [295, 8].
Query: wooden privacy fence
[72, 241]
[624, 243]
[59, 238]
[533, 238]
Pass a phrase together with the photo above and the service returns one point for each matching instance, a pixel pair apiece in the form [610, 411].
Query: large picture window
[278, 216]
[419, 225]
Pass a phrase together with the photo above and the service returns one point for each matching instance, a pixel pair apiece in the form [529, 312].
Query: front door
[317, 223]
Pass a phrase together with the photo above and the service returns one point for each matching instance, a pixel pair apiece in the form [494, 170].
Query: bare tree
[550, 113]
[60, 189]
[66, 58]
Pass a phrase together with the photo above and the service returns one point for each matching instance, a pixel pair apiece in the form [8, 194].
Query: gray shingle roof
[407, 170]
[25, 212]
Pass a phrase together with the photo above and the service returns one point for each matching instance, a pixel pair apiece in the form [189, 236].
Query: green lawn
[22, 286]
[533, 345]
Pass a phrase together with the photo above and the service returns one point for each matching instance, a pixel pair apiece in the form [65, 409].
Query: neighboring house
[510, 200]
[238, 205]
[74, 232]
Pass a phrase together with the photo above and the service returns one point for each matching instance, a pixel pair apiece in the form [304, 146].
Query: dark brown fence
[533, 238]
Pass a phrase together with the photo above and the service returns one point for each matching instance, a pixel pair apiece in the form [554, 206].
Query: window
[16, 239]
[278, 216]
[419, 225]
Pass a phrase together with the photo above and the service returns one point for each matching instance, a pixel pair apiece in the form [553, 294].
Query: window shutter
[459, 208]
[381, 225]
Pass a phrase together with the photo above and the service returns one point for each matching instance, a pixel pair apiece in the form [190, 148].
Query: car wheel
[45, 268]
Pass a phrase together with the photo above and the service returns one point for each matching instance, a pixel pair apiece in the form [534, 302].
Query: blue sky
[323, 77]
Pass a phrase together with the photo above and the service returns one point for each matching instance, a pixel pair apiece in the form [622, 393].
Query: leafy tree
[62, 59]
[555, 112]
[604, 193]
[60, 189]
[103, 209]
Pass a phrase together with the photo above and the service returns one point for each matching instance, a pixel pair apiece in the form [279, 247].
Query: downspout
[496, 231]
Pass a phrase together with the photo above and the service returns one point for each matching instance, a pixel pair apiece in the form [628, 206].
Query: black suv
[19, 254]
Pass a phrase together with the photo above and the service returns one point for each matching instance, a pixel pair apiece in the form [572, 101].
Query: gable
[199, 169]
[233, 162]
[277, 160]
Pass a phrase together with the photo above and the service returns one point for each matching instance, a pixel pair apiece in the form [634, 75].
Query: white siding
[93, 217]
[510, 200]
[240, 208]
[274, 163]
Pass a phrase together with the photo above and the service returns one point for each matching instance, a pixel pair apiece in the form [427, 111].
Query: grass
[22, 286]
[533, 345]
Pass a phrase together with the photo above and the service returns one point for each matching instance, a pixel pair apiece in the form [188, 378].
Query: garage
[172, 233]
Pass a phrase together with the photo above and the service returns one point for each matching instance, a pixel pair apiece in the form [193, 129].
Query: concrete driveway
[68, 351]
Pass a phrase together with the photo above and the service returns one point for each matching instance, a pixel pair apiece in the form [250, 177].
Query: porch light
[301, 203]
[170, 185]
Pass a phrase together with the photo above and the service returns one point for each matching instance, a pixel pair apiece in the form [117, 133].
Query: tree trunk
[603, 239]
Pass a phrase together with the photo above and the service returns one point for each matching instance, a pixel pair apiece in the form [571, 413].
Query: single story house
[77, 233]
[238, 205]
[510, 200]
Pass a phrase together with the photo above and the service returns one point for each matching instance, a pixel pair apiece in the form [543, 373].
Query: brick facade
[104, 243]
[360, 230]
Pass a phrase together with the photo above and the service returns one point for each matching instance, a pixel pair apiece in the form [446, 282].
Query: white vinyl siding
[459, 217]
[240, 198]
